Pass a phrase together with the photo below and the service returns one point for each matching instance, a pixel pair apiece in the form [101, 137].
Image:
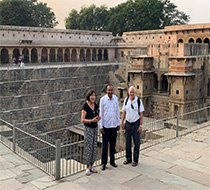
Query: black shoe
[114, 164]
[103, 167]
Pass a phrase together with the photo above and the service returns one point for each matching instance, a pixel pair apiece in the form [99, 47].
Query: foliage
[135, 15]
[26, 13]
[172, 16]
[132, 15]
[89, 18]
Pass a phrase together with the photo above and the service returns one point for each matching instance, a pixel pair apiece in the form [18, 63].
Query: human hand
[102, 131]
[99, 117]
[95, 119]
[118, 128]
[139, 129]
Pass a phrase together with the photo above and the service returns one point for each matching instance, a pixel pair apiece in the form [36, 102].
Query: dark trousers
[109, 137]
[131, 130]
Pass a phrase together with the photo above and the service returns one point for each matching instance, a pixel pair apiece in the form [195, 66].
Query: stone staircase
[42, 100]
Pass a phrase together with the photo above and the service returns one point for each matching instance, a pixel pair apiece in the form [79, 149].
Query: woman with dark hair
[90, 117]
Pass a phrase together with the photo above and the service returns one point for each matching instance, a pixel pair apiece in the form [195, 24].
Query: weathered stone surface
[11, 184]
[191, 174]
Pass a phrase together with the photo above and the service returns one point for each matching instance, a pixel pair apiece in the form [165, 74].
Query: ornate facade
[42, 45]
[169, 67]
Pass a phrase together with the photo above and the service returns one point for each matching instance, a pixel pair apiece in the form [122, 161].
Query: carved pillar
[91, 55]
[78, 55]
[10, 54]
[39, 54]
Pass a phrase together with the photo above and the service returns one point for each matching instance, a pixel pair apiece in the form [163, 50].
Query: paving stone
[145, 183]
[207, 141]
[100, 182]
[161, 156]
[43, 182]
[6, 165]
[6, 174]
[191, 175]
[177, 153]
[193, 166]
[66, 185]
[183, 183]
[11, 184]
[120, 174]
[30, 175]
[150, 171]
[29, 186]
[14, 159]
[194, 146]
[156, 163]
[203, 160]
[4, 150]
[180, 164]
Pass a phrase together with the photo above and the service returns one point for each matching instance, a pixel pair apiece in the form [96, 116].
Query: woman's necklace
[91, 105]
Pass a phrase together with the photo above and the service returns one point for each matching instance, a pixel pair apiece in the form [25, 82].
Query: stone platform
[179, 164]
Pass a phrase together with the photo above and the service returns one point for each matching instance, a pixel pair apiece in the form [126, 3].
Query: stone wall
[11, 35]
[42, 100]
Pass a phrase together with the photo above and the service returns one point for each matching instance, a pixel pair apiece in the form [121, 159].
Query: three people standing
[110, 123]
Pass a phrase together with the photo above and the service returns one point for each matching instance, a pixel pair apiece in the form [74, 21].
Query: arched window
[99, 55]
[67, 55]
[52, 55]
[105, 55]
[191, 40]
[198, 40]
[44, 56]
[206, 40]
[82, 55]
[4, 56]
[25, 54]
[34, 56]
[180, 40]
[164, 83]
[16, 53]
[94, 55]
[74, 55]
[88, 55]
[60, 55]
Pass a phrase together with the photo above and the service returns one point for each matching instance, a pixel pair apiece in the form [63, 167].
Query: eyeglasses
[132, 106]
[94, 113]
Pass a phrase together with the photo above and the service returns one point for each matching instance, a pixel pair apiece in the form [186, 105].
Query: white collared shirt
[109, 112]
[132, 115]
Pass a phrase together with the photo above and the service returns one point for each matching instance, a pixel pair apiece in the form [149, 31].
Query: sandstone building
[169, 67]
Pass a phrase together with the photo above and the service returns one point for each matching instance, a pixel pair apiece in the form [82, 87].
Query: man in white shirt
[110, 124]
[133, 113]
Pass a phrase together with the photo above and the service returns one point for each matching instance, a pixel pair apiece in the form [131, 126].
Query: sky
[197, 9]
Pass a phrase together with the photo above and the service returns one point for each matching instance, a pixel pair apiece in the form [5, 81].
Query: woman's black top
[90, 114]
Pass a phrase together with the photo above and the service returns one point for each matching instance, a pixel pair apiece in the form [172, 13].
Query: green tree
[172, 16]
[72, 20]
[26, 13]
[135, 15]
[89, 18]
[132, 15]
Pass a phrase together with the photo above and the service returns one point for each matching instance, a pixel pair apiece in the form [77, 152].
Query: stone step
[48, 73]
[32, 100]
[52, 85]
